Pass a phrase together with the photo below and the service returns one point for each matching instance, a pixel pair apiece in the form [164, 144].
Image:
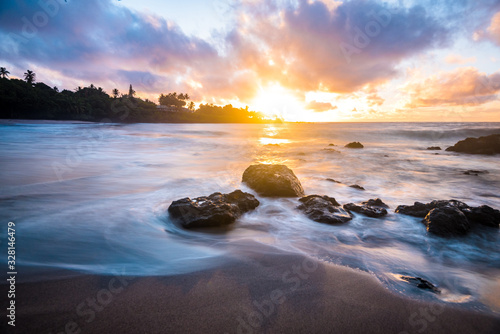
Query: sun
[274, 101]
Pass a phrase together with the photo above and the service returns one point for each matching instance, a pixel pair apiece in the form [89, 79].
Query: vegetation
[35, 100]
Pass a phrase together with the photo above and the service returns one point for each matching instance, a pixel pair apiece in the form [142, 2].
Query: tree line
[28, 99]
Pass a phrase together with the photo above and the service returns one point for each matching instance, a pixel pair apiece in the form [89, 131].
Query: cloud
[494, 28]
[464, 86]
[457, 59]
[320, 106]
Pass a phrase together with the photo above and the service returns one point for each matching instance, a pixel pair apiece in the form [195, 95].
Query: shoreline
[255, 293]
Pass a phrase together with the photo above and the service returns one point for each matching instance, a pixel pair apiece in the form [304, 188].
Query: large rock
[374, 211]
[324, 209]
[273, 181]
[447, 221]
[483, 215]
[377, 202]
[420, 283]
[355, 144]
[421, 210]
[214, 210]
[482, 145]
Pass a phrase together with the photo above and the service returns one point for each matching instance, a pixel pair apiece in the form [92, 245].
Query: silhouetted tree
[29, 76]
[131, 91]
[3, 72]
[116, 92]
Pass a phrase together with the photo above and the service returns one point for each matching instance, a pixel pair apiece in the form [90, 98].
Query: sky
[302, 60]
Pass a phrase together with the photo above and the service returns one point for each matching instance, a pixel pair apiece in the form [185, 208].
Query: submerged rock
[332, 180]
[332, 145]
[323, 209]
[331, 150]
[483, 215]
[214, 210]
[447, 221]
[369, 211]
[355, 145]
[434, 148]
[273, 181]
[475, 172]
[482, 145]
[421, 210]
[355, 186]
[420, 283]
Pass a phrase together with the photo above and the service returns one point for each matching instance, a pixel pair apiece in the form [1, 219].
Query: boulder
[332, 145]
[482, 145]
[355, 145]
[323, 209]
[355, 186]
[483, 215]
[421, 210]
[369, 211]
[273, 181]
[447, 221]
[377, 202]
[211, 211]
[420, 283]
[434, 148]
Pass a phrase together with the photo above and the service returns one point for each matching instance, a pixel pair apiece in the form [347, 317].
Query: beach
[98, 252]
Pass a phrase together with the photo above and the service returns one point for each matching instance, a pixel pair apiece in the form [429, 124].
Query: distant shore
[257, 293]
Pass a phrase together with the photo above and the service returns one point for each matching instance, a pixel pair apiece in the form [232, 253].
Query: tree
[191, 105]
[116, 92]
[131, 91]
[3, 72]
[172, 99]
[29, 76]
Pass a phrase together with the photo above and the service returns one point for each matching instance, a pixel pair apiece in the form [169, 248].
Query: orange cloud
[494, 28]
[320, 106]
[457, 59]
[464, 86]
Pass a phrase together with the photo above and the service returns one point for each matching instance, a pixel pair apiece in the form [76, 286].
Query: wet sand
[257, 293]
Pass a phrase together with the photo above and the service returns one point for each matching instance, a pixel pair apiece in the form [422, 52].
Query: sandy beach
[266, 293]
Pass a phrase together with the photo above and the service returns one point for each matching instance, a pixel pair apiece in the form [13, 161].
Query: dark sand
[319, 299]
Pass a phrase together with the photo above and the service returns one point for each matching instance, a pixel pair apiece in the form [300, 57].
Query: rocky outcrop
[421, 210]
[448, 218]
[355, 145]
[483, 215]
[323, 209]
[447, 221]
[211, 211]
[355, 186]
[482, 145]
[475, 172]
[434, 148]
[377, 202]
[333, 180]
[273, 181]
[420, 283]
[369, 211]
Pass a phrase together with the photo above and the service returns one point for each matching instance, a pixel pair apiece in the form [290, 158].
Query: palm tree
[116, 92]
[29, 76]
[3, 72]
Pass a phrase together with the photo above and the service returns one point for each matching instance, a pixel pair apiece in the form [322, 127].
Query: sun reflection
[273, 141]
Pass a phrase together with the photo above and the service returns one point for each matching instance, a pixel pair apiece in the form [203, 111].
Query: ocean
[93, 198]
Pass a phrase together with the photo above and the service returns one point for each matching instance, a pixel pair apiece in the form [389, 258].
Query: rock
[386, 156]
[370, 211]
[447, 221]
[355, 186]
[434, 148]
[376, 203]
[214, 210]
[483, 215]
[420, 283]
[421, 210]
[324, 209]
[332, 180]
[332, 145]
[273, 181]
[354, 145]
[482, 145]
[475, 172]
[272, 145]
